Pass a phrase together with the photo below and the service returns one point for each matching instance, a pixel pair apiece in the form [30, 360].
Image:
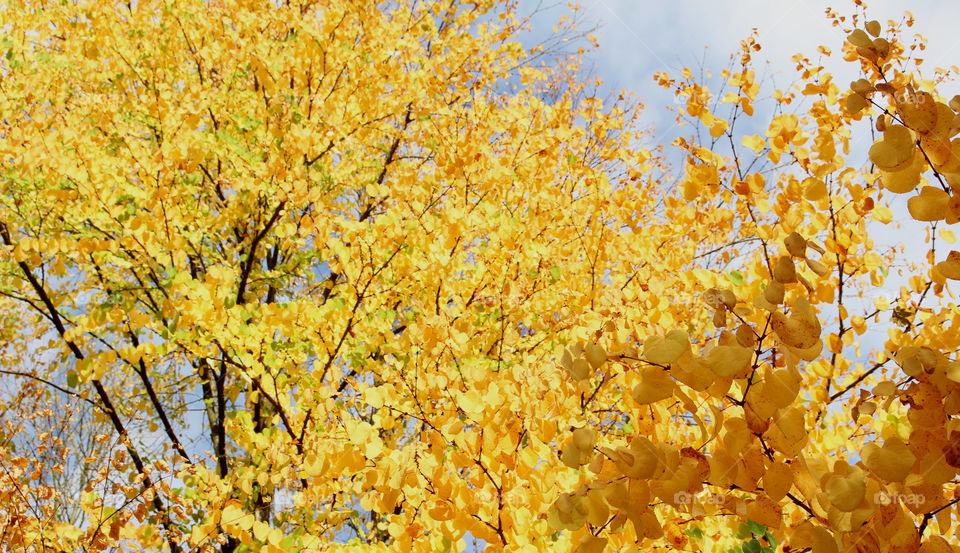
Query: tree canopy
[379, 276]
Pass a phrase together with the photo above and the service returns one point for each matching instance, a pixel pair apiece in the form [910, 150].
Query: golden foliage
[370, 276]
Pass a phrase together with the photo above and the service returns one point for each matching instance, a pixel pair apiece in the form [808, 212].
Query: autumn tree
[766, 414]
[375, 275]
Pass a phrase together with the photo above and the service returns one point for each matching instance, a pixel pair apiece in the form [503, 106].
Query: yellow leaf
[788, 433]
[597, 510]
[777, 480]
[233, 514]
[855, 103]
[595, 355]
[765, 511]
[846, 492]
[719, 127]
[441, 511]
[755, 142]
[860, 38]
[882, 214]
[932, 204]
[592, 544]
[800, 330]
[895, 150]
[918, 111]
[814, 189]
[891, 462]
[816, 538]
[261, 531]
[819, 268]
[640, 460]
[862, 87]
[773, 293]
[784, 271]
[795, 244]
[729, 361]
[885, 388]
[666, 350]
[575, 362]
[580, 449]
[950, 267]
[902, 181]
[650, 526]
[655, 385]
[782, 386]
[584, 438]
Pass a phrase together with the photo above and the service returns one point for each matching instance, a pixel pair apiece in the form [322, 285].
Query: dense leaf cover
[368, 276]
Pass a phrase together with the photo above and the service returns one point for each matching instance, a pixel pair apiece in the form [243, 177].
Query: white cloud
[640, 37]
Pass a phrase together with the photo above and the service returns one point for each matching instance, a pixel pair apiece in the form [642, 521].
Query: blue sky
[640, 37]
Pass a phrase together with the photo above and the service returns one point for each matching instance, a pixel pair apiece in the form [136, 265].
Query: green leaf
[756, 528]
[695, 532]
[291, 541]
[555, 273]
[752, 546]
[743, 532]
[72, 379]
[736, 277]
